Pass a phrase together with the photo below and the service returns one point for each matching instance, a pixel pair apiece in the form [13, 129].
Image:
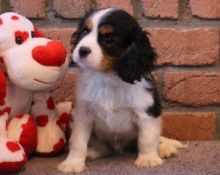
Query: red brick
[192, 88]
[161, 8]
[61, 34]
[71, 8]
[205, 8]
[123, 4]
[66, 89]
[192, 46]
[189, 126]
[29, 8]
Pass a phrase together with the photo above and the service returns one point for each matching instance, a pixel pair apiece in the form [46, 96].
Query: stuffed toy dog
[30, 65]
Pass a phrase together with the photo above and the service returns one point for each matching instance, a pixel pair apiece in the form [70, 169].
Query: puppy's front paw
[92, 154]
[165, 150]
[149, 160]
[68, 166]
[169, 147]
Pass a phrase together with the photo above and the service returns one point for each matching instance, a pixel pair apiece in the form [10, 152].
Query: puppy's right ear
[73, 42]
[75, 38]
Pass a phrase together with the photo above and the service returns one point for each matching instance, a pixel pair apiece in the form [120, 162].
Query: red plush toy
[30, 66]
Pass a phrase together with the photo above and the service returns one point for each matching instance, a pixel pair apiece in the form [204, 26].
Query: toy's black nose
[84, 51]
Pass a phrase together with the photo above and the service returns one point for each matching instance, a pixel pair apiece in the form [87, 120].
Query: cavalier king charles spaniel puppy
[116, 96]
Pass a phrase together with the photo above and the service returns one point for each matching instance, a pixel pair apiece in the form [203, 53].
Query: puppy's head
[111, 40]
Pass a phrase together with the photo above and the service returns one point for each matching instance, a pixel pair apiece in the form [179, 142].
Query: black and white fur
[116, 97]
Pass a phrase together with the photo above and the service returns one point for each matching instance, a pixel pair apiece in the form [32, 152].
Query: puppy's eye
[108, 39]
[85, 31]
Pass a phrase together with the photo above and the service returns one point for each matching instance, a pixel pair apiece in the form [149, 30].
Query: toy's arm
[4, 110]
[43, 105]
[3, 113]
[52, 121]
[13, 158]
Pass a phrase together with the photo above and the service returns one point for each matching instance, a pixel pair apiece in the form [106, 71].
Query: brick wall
[186, 36]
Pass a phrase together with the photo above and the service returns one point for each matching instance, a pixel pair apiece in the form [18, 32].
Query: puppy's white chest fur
[111, 102]
[110, 93]
[116, 127]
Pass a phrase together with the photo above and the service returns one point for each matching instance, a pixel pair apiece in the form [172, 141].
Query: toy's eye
[21, 37]
[33, 34]
[19, 40]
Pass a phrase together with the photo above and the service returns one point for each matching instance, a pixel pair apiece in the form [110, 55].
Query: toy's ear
[37, 33]
[137, 60]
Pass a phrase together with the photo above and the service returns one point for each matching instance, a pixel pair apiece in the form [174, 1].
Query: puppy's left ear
[137, 60]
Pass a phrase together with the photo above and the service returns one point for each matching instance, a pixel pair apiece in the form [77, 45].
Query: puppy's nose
[84, 51]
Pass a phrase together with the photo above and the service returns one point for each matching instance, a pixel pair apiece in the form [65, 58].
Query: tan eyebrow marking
[104, 29]
[89, 24]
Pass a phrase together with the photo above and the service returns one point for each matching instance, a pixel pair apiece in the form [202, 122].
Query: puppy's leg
[148, 139]
[97, 149]
[168, 147]
[81, 130]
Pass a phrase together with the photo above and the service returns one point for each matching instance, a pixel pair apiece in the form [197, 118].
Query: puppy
[116, 96]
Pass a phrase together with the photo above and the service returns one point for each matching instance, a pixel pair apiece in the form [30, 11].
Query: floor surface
[200, 158]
